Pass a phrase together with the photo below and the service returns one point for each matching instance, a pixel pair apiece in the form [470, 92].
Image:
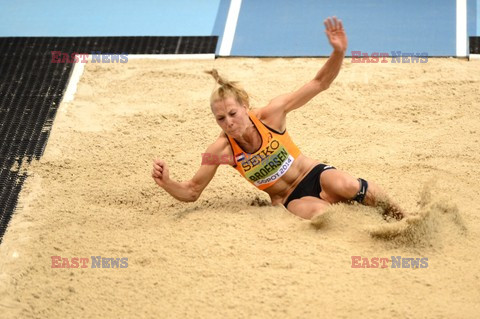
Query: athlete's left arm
[329, 71]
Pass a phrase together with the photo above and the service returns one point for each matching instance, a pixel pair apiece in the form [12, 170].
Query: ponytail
[228, 89]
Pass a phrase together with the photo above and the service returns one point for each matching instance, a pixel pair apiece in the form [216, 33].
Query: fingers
[328, 24]
[159, 166]
[340, 24]
[159, 161]
[333, 24]
[156, 174]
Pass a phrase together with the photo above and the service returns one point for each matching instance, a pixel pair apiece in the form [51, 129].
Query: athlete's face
[231, 116]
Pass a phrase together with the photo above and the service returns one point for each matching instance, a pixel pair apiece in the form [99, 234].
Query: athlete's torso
[274, 165]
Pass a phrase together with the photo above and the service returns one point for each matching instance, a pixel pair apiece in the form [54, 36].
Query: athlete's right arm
[187, 191]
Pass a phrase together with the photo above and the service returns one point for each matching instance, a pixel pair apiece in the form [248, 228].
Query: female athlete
[256, 143]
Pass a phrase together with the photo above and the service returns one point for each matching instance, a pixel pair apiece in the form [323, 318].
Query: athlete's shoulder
[275, 121]
[221, 142]
[257, 113]
[221, 148]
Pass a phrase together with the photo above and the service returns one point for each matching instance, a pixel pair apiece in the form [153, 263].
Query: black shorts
[310, 184]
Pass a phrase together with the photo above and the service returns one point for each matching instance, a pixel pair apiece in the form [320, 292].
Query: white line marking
[461, 28]
[230, 27]
[200, 56]
[73, 82]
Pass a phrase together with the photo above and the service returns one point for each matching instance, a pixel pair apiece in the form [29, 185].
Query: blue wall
[296, 28]
[472, 17]
[478, 18]
[107, 17]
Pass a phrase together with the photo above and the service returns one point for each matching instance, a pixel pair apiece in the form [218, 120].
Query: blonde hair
[228, 89]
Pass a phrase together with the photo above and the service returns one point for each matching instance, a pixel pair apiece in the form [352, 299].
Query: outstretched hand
[335, 34]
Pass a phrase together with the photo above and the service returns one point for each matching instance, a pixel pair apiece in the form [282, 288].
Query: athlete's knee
[362, 188]
[350, 186]
[339, 187]
[346, 186]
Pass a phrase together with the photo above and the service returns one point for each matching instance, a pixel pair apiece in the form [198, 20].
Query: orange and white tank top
[274, 158]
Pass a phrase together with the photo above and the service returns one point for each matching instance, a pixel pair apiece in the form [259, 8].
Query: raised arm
[324, 77]
[186, 191]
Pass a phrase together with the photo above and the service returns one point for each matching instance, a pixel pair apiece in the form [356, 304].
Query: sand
[412, 128]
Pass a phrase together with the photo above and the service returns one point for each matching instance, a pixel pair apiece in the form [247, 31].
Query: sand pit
[413, 128]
